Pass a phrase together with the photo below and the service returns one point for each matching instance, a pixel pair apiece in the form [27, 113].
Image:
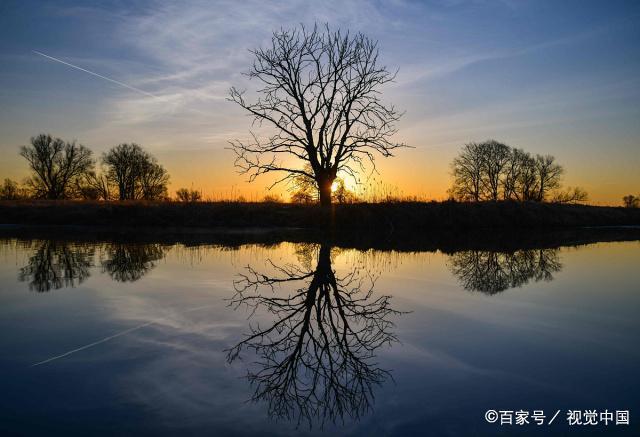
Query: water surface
[112, 336]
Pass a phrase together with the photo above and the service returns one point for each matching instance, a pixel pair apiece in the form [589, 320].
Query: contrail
[96, 74]
[93, 344]
[126, 331]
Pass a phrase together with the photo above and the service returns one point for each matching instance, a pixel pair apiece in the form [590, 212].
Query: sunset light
[388, 218]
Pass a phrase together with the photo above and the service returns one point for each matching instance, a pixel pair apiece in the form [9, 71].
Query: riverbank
[380, 217]
[400, 217]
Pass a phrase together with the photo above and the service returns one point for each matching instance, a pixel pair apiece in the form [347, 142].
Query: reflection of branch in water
[492, 272]
[130, 262]
[318, 359]
[55, 264]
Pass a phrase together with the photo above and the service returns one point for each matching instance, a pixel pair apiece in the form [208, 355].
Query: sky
[550, 77]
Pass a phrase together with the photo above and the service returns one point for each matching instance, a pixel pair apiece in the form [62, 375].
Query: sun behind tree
[321, 92]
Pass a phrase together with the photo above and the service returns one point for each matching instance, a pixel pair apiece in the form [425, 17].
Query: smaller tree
[495, 157]
[631, 201]
[571, 195]
[9, 190]
[93, 186]
[527, 180]
[549, 174]
[55, 165]
[341, 194]
[188, 195]
[134, 173]
[467, 170]
[153, 180]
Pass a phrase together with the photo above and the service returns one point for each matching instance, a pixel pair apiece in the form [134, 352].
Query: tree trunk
[325, 191]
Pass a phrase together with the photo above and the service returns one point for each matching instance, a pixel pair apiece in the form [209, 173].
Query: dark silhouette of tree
[491, 171]
[321, 93]
[631, 201]
[128, 262]
[317, 360]
[467, 170]
[491, 272]
[10, 190]
[56, 264]
[570, 195]
[520, 177]
[495, 157]
[188, 195]
[548, 176]
[55, 165]
[93, 186]
[135, 173]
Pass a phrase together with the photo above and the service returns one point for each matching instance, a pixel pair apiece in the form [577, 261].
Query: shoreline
[388, 218]
[500, 240]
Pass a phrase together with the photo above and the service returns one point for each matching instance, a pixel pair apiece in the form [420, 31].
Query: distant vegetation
[63, 170]
[494, 171]
[188, 195]
[58, 167]
[631, 201]
[486, 171]
[134, 173]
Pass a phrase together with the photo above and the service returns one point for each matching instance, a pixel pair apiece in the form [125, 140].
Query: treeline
[491, 170]
[67, 170]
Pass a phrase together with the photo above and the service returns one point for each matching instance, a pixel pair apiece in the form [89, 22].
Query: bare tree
[549, 174]
[491, 170]
[188, 195]
[570, 195]
[527, 181]
[93, 186]
[467, 170]
[495, 156]
[55, 164]
[9, 190]
[512, 174]
[631, 201]
[135, 173]
[320, 91]
[123, 164]
[153, 180]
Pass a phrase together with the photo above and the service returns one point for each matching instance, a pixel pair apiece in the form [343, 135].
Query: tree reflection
[317, 359]
[129, 262]
[56, 264]
[492, 272]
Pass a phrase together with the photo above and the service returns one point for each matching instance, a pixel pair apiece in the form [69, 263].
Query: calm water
[132, 338]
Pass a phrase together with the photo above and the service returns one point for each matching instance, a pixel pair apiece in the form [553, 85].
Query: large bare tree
[320, 93]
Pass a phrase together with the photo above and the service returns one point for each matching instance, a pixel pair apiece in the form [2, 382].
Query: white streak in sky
[96, 74]
[121, 333]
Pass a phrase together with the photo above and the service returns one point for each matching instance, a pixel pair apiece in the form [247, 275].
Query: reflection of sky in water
[565, 342]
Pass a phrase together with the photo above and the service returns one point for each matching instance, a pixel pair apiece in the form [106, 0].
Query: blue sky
[548, 76]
